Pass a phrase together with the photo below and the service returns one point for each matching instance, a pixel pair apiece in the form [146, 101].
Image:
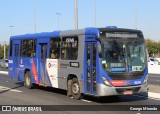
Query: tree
[2, 51]
[152, 47]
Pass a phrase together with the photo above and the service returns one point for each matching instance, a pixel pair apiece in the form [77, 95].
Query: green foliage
[152, 47]
[2, 51]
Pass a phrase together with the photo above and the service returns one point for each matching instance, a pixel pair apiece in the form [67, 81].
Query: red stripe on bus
[59, 65]
[34, 71]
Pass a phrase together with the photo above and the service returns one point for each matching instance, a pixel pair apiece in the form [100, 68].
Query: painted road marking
[154, 98]
[154, 95]
[15, 90]
[83, 100]
[86, 101]
[3, 72]
[2, 88]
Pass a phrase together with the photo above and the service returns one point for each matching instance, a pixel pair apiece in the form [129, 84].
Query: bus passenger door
[42, 62]
[16, 60]
[90, 68]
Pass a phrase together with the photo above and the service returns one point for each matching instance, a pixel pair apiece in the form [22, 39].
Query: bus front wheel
[75, 89]
[28, 80]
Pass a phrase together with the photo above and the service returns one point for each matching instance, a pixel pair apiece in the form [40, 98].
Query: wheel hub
[75, 88]
[27, 80]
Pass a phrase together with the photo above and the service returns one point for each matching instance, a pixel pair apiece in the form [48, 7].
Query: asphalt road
[154, 79]
[17, 94]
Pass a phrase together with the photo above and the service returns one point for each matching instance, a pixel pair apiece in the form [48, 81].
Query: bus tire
[69, 93]
[28, 80]
[75, 89]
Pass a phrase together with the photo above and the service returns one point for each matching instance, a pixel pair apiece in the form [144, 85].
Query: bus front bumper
[103, 90]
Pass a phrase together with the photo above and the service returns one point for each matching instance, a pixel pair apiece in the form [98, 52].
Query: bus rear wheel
[75, 89]
[28, 80]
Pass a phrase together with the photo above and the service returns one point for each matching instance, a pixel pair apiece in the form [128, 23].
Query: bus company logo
[10, 61]
[50, 65]
[70, 40]
[21, 66]
[126, 83]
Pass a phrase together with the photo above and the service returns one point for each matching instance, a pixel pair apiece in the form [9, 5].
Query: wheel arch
[29, 70]
[26, 70]
[28, 81]
[68, 84]
[71, 76]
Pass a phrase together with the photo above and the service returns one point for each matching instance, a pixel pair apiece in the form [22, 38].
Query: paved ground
[154, 88]
[14, 93]
[154, 79]
[154, 83]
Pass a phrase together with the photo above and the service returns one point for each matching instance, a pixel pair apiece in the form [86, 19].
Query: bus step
[44, 85]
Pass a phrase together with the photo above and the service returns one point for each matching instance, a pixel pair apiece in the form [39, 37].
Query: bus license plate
[129, 92]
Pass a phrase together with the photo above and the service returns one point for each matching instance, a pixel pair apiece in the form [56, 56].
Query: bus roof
[87, 31]
[37, 35]
[119, 30]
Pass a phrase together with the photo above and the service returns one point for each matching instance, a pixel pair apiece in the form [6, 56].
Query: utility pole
[11, 27]
[136, 14]
[76, 14]
[4, 50]
[35, 26]
[58, 14]
[95, 14]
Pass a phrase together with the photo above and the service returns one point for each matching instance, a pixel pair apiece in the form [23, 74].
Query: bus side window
[69, 48]
[10, 48]
[28, 48]
[53, 56]
[55, 48]
[33, 54]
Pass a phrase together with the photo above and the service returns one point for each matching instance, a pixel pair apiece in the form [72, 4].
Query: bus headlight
[106, 82]
[145, 80]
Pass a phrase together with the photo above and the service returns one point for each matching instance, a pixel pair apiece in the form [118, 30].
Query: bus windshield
[123, 56]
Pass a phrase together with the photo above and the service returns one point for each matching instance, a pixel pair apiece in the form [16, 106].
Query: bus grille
[125, 76]
[121, 90]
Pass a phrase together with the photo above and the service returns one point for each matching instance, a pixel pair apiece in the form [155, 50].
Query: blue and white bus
[93, 61]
